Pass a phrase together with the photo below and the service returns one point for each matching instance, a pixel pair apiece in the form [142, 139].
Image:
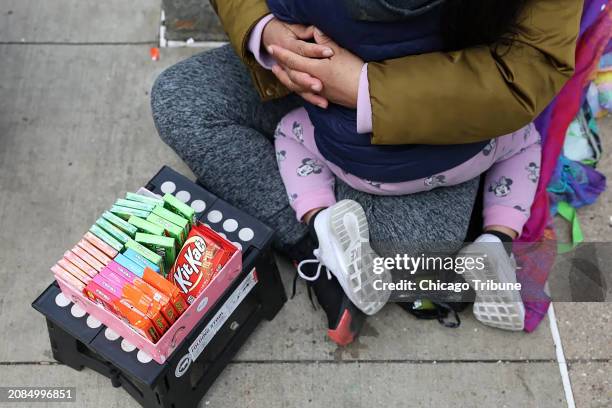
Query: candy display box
[179, 369]
[176, 333]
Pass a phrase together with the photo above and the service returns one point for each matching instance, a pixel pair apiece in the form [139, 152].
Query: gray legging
[207, 109]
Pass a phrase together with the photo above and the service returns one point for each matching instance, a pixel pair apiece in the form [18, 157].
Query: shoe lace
[312, 261]
[300, 274]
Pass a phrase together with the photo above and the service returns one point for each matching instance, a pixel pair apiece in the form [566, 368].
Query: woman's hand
[292, 37]
[339, 74]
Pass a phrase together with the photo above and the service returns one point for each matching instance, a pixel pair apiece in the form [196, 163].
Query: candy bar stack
[145, 260]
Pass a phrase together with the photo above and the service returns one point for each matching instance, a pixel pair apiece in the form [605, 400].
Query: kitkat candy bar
[180, 208]
[81, 264]
[84, 255]
[93, 251]
[200, 259]
[101, 245]
[120, 223]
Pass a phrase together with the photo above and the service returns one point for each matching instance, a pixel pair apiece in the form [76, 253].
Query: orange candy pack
[147, 306]
[137, 320]
[163, 300]
[160, 283]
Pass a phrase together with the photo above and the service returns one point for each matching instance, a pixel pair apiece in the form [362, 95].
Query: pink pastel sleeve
[261, 55]
[364, 106]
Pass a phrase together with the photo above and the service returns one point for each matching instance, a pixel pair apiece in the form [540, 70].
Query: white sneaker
[344, 249]
[503, 309]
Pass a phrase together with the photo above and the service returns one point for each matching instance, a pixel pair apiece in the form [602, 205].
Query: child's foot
[344, 248]
[503, 309]
[344, 320]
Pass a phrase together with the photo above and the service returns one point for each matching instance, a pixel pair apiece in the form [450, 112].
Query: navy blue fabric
[336, 127]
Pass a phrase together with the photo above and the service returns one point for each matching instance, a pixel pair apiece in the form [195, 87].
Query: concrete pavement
[76, 132]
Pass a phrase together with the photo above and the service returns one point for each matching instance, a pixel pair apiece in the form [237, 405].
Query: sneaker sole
[359, 284]
[502, 309]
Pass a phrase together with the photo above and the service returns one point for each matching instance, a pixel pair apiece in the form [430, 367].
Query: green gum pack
[180, 208]
[172, 217]
[106, 237]
[112, 230]
[171, 229]
[146, 226]
[147, 253]
[163, 246]
[120, 223]
[126, 212]
[144, 199]
[137, 205]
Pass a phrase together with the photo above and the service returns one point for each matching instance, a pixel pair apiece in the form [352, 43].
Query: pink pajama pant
[512, 163]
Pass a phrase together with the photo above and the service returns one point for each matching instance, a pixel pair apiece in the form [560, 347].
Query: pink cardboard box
[161, 350]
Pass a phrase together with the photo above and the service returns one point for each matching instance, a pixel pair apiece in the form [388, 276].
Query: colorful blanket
[594, 38]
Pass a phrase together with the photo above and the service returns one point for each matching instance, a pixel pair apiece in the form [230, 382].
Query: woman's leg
[208, 111]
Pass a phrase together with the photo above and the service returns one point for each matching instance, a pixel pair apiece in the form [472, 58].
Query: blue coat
[336, 127]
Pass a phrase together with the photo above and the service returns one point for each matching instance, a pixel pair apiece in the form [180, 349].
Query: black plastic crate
[79, 340]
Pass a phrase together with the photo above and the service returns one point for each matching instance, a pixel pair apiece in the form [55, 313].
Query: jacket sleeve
[477, 93]
[238, 17]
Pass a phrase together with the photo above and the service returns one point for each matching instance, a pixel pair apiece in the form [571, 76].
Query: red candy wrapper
[203, 255]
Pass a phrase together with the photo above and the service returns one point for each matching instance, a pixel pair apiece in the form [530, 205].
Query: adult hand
[292, 37]
[339, 74]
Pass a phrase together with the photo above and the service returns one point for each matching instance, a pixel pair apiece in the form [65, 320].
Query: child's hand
[293, 37]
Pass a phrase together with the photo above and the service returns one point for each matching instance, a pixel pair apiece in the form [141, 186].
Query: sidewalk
[76, 129]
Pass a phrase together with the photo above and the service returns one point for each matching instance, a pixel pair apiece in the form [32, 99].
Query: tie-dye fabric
[595, 34]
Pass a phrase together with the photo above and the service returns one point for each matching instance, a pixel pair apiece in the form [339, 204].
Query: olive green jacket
[447, 98]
